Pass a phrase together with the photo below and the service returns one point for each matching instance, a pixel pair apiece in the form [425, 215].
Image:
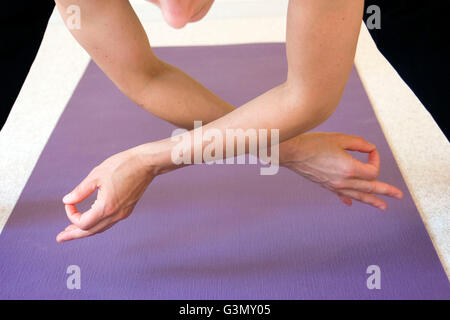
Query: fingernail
[67, 197]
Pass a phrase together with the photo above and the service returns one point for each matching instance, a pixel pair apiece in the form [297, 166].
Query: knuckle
[383, 190]
[108, 210]
[338, 184]
[370, 188]
[377, 171]
[348, 171]
[357, 196]
[373, 176]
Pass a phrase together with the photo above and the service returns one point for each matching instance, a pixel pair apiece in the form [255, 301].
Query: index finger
[369, 170]
[87, 219]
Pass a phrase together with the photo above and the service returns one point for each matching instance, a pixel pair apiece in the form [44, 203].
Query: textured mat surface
[213, 232]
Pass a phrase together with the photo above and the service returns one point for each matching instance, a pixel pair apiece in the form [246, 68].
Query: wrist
[155, 157]
[292, 151]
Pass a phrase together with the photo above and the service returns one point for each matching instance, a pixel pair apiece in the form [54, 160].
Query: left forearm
[279, 109]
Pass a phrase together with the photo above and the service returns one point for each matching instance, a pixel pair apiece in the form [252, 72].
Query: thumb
[81, 192]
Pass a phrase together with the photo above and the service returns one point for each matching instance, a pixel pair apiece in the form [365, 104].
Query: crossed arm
[321, 42]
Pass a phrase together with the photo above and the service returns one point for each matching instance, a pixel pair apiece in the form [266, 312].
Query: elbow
[314, 103]
[137, 86]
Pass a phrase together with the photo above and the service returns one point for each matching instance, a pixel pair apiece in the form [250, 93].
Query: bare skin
[319, 33]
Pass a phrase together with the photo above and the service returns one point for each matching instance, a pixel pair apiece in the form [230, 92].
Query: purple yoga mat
[213, 232]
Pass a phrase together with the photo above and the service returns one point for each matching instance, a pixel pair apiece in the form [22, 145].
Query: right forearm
[113, 36]
[174, 96]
